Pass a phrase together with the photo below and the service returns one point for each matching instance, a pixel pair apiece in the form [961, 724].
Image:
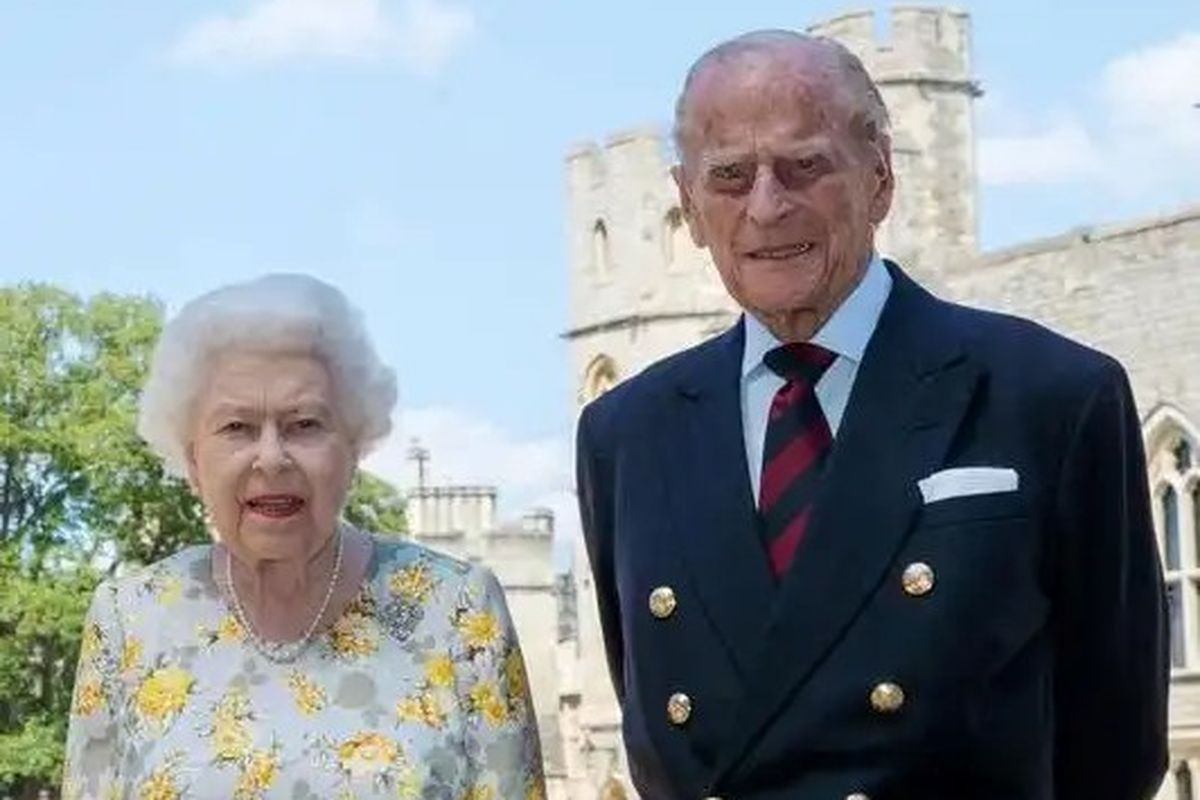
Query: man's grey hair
[280, 314]
[870, 120]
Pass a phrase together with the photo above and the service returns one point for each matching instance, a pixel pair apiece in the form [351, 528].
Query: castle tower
[639, 288]
[922, 67]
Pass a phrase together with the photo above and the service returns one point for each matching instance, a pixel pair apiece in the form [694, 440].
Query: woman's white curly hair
[279, 313]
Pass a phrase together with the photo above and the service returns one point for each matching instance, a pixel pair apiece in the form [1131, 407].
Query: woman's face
[270, 456]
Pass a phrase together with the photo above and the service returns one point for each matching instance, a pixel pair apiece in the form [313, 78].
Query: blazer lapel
[712, 511]
[910, 395]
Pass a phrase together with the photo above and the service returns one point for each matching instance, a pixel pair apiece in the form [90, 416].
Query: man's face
[777, 187]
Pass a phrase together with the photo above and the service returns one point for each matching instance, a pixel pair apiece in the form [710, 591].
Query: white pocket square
[964, 481]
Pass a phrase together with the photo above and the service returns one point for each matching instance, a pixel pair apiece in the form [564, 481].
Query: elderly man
[866, 543]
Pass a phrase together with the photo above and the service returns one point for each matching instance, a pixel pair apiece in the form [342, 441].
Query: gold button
[887, 698]
[679, 708]
[662, 602]
[917, 579]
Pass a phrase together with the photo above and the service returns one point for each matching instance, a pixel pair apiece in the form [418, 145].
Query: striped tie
[796, 446]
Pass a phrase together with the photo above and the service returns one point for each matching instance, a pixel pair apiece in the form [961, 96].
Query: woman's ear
[193, 469]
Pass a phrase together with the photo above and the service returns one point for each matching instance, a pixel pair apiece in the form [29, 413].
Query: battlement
[536, 523]
[922, 43]
[919, 44]
[451, 511]
[630, 152]
[458, 512]
[1017, 255]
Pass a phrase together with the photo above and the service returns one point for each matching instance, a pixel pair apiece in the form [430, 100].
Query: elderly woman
[295, 656]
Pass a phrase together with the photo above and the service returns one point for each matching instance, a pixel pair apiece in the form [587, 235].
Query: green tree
[70, 467]
[40, 621]
[374, 505]
[72, 471]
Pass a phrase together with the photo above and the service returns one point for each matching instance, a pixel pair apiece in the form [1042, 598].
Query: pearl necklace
[283, 652]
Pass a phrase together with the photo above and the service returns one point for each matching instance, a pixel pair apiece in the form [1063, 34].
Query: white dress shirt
[845, 333]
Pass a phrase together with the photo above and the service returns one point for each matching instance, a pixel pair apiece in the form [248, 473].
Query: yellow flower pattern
[131, 654]
[163, 694]
[89, 696]
[257, 775]
[159, 786]
[479, 629]
[168, 588]
[227, 631]
[163, 662]
[367, 753]
[89, 644]
[413, 583]
[408, 783]
[516, 684]
[309, 697]
[534, 790]
[486, 701]
[163, 782]
[480, 791]
[230, 630]
[355, 634]
[439, 671]
[423, 709]
[231, 738]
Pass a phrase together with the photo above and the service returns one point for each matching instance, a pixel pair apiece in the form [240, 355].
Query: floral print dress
[417, 691]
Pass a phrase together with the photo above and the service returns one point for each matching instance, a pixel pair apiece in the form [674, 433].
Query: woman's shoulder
[393, 552]
[413, 570]
[165, 580]
[409, 568]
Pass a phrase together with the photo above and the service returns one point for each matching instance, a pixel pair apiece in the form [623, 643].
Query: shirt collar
[847, 330]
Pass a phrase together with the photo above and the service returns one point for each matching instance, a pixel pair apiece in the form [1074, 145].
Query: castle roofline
[639, 134]
[1088, 234]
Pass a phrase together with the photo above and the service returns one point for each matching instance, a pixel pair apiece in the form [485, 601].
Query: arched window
[1170, 446]
[612, 790]
[1178, 632]
[601, 255]
[1196, 515]
[1169, 510]
[599, 377]
[1183, 781]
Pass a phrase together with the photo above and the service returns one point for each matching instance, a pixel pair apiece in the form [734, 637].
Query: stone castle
[640, 290]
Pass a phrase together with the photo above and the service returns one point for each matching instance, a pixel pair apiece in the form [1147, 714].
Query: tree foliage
[374, 505]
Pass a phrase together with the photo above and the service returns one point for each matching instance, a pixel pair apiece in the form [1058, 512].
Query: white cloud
[1153, 135]
[1157, 90]
[1144, 134]
[433, 31]
[1060, 153]
[427, 35]
[465, 449]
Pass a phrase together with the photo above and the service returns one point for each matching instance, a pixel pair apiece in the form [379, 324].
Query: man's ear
[884, 179]
[688, 207]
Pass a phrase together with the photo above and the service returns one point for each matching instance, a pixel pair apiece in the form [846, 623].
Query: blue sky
[412, 151]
